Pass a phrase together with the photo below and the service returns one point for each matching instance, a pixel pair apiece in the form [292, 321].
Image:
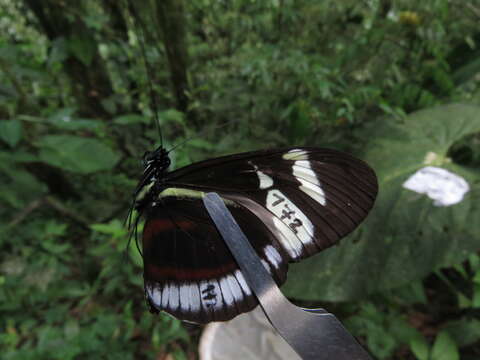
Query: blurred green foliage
[76, 117]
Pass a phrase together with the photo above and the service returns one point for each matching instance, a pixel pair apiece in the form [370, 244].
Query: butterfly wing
[189, 271]
[291, 204]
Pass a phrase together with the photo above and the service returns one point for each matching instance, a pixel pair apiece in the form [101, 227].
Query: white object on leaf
[442, 186]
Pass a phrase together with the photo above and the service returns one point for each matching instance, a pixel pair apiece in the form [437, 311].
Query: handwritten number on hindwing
[296, 223]
[287, 213]
[278, 201]
[209, 295]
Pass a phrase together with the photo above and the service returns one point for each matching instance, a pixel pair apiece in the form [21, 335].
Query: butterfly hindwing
[291, 204]
[189, 271]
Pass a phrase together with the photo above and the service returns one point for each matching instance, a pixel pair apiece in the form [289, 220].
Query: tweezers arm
[313, 334]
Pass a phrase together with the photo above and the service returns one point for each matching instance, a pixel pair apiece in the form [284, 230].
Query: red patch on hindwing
[156, 226]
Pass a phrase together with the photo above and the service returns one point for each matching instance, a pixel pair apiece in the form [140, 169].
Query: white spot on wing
[265, 180]
[165, 295]
[288, 239]
[185, 297]
[440, 185]
[235, 288]
[272, 255]
[295, 154]
[243, 284]
[302, 170]
[314, 191]
[227, 294]
[154, 293]
[194, 298]
[292, 217]
[174, 297]
[266, 265]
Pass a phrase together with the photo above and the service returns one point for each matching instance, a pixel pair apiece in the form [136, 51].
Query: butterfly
[291, 203]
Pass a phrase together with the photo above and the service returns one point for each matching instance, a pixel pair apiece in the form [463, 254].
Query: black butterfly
[291, 203]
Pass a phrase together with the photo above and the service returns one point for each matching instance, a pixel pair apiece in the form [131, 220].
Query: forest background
[370, 77]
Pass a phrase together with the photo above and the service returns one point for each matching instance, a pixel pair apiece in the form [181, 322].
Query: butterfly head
[157, 160]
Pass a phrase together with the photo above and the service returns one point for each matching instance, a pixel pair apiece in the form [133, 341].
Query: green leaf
[476, 278]
[130, 119]
[71, 328]
[464, 331]
[63, 115]
[83, 48]
[59, 51]
[405, 236]
[76, 154]
[476, 296]
[11, 131]
[444, 348]
[171, 115]
[64, 119]
[402, 331]
[419, 347]
[384, 331]
[55, 248]
[114, 228]
[409, 294]
[81, 124]
[463, 301]
[55, 229]
[474, 261]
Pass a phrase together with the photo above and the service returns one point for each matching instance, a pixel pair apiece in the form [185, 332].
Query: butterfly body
[155, 165]
[291, 203]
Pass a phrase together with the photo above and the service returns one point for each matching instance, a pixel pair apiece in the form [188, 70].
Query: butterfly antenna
[128, 223]
[132, 233]
[141, 41]
[137, 244]
[181, 144]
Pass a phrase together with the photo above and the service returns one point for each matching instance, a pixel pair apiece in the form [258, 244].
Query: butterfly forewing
[291, 204]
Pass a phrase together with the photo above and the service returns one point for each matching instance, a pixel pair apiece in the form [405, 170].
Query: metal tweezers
[312, 333]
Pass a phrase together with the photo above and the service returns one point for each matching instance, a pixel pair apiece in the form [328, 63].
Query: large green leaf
[405, 236]
[76, 154]
[444, 348]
